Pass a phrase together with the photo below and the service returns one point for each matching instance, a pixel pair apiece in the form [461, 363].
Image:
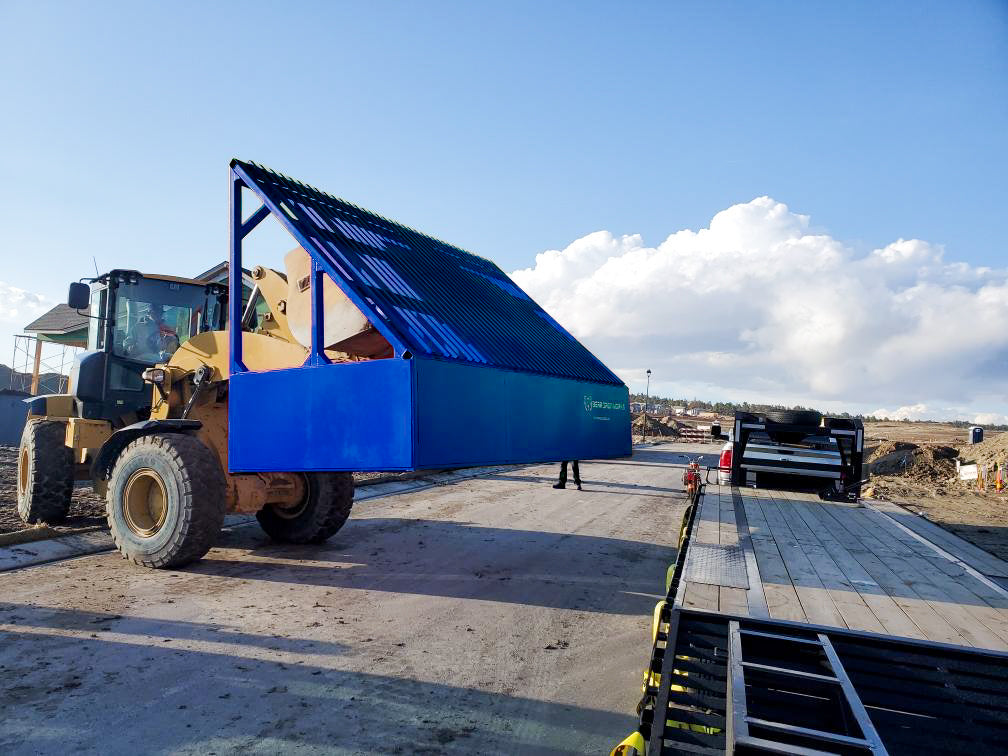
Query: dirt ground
[917, 432]
[924, 479]
[492, 615]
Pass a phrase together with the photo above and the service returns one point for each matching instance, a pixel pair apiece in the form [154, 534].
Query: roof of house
[434, 298]
[60, 319]
[219, 271]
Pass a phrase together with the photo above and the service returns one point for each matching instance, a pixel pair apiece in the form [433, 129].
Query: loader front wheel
[166, 500]
[323, 511]
[45, 473]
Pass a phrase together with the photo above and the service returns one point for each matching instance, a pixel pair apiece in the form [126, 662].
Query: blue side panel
[351, 416]
[469, 415]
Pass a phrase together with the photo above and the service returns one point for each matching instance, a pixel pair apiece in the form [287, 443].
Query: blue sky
[508, 128]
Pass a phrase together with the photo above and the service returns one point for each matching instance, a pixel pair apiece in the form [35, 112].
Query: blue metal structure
[480, 374]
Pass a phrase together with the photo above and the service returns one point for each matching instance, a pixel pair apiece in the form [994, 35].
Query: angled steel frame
[239, 229]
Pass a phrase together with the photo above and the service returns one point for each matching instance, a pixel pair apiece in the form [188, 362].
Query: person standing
[563, 475]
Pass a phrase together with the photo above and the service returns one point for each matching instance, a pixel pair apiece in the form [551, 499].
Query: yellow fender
[632, 745]
[668, 578]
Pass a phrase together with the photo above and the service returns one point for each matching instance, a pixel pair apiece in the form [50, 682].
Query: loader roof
[435, 299]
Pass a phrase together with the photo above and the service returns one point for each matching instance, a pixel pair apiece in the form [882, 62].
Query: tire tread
[202, 505]
[51, 486]
[333, 492]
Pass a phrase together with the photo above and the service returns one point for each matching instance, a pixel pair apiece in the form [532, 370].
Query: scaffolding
[40, 366]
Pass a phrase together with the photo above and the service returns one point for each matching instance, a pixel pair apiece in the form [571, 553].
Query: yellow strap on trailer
[632, 745]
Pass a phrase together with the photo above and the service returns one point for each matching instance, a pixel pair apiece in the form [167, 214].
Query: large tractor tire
[45, 473]
[323, 511]
[166, 500]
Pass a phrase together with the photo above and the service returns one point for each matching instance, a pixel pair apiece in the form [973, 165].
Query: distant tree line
[729, 408]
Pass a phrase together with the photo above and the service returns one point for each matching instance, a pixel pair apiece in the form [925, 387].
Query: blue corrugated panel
[433, 298]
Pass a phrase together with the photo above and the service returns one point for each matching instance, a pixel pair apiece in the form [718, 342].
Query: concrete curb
[63, 547]
[29, 534]
[45, 548]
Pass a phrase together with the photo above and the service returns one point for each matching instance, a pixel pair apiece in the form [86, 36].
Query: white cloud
[757, 307]
[923, 411]
[990, 418]
[19, 306]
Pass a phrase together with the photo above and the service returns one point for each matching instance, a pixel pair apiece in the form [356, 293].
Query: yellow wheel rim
[23, 464]
[145, 502]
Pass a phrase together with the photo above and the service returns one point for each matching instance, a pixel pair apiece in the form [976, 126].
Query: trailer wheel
[794, 417]
[165, 501]
[323, 511]
[45, 473]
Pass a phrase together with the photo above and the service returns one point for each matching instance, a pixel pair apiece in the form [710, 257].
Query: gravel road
[492, 615]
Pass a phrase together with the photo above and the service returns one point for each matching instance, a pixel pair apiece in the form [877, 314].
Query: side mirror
[79, 297]
[715, 430]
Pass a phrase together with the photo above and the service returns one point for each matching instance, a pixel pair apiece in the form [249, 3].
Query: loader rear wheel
[45, 473]
[166, 500]
[323, 511]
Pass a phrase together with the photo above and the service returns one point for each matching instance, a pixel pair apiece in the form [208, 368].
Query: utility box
[975, 434]
[450, 365]
[13, 412]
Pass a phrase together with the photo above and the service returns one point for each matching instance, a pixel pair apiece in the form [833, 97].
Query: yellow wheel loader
[145, 416]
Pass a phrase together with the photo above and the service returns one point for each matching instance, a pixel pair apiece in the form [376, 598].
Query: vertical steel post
[235, 277]
[317, 356]
[647, 400]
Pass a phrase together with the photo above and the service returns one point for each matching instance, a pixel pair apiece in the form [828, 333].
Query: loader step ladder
[791, 695]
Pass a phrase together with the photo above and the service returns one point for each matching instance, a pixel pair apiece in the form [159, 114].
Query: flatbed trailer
[797, 625]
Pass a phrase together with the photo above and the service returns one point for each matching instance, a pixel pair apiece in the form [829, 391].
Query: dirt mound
[990, 450]
[927, 463]
[671, 423]
[654, 427]
[889, 447]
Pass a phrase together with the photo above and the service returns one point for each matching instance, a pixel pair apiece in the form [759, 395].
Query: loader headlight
[154, 375]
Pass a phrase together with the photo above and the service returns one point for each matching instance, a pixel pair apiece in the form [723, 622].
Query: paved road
[492, 615]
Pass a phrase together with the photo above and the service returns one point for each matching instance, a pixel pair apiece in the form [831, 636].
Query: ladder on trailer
[791, 695]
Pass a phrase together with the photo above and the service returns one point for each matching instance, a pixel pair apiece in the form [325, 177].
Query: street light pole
[647, 400]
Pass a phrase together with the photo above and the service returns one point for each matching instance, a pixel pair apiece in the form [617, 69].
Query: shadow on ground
[90, 694]
[458, 560]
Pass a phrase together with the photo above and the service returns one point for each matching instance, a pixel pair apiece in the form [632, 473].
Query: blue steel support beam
[234, 276]
[317, 356]
[254, 220]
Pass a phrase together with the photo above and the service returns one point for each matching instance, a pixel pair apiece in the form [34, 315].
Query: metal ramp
[791, 695]
[814, 690]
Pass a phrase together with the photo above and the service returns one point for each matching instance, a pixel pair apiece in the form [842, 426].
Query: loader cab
[136, 321]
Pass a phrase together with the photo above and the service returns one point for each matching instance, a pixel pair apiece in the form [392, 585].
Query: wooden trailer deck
[878, 568]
